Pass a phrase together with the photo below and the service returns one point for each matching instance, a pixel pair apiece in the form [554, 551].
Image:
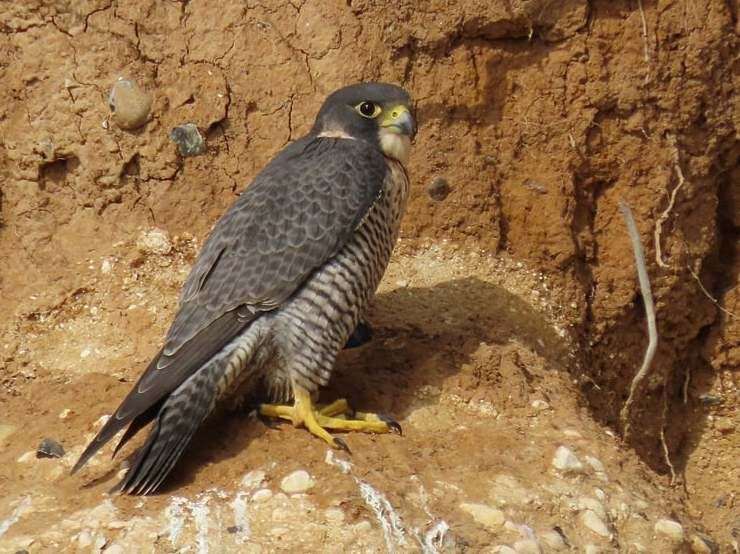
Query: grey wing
[296, 215]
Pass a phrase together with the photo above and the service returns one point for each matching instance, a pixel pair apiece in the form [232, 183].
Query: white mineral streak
[23, 506]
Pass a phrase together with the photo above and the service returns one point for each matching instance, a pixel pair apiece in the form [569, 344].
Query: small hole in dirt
[56, 171]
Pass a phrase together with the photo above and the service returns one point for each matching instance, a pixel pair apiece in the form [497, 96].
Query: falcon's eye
[368, 109]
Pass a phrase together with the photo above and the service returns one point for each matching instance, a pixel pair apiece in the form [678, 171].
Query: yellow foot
[317, 419]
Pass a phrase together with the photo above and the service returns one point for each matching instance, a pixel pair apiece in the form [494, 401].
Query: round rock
[553, 541]
[567, 462]
[673, 530]
[188, 139]
[298, 481]
[485, 515]
[593, 522]
[438, 189]
[49, 448]
[129, 103]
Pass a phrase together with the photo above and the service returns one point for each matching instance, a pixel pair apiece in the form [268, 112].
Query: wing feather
[298, 212]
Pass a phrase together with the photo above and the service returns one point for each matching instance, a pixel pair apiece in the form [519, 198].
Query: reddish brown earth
[518, 286]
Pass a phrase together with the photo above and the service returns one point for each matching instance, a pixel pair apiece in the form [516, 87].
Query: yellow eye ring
[368, 109]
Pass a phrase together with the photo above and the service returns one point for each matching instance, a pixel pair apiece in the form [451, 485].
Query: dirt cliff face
[539, 116]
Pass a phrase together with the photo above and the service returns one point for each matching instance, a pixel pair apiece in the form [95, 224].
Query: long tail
[178, 419]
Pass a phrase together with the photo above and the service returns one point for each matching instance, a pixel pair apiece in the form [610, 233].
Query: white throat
[395, 146]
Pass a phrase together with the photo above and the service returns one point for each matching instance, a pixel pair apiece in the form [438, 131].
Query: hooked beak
[399, 120]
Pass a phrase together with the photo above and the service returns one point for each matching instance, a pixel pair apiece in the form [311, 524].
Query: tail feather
[137, 425]
[180, 416]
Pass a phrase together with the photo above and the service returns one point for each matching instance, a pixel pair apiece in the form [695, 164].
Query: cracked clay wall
[539, 115]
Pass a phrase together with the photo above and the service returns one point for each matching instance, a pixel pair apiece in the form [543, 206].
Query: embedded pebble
[527, 546]
[5, 431]
[154, 241]
[102, 420]
[129, 103]
[673, 530]
[593, 522]
[725, 425]
[334, 515]
[27, 457]
[540, 405]
[253, 479]
[438, 189]
[298, 481]
[553, 540]
[49, 448]
[595, 464]
[567, 462]
[64, 414]
[262, 495]
[588, 503]
[188, 139]
[485, 515]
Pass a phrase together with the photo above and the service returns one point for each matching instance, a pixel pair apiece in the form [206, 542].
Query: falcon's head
[377, 113]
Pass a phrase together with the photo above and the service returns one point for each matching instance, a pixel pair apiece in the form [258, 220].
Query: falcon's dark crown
[361, 111]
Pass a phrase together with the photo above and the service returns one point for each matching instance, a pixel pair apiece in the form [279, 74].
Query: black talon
[339, 443]
[391, 423]
[270, 422]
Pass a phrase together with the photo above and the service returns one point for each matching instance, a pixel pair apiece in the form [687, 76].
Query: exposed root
[645, 44]
[666, 454]
[647, 297]
[667, 212]
[708, 295]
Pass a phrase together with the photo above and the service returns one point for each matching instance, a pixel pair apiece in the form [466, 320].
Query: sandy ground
[469, 354]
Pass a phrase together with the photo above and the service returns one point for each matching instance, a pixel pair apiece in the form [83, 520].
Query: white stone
[527, 546]
[298, 481]
[595, 463]
[334, 515]
[485, 515]
[154, 241]
[588, 503]
[540, 405]
[567, 462]
[594, 523]
[84, 539]
[253, 479]
[362, 527]
[64, 414]
[27, 457]
[262, 495]
[553, 541]
[670, 529]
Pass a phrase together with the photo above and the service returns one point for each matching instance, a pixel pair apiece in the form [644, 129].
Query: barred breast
[314, 326]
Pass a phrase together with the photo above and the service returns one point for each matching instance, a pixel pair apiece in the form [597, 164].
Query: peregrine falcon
[280, 286]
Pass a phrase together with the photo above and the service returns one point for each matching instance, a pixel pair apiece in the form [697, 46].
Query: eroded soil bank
[510, 323]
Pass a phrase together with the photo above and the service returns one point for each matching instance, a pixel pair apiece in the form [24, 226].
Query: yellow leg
[332, 416]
